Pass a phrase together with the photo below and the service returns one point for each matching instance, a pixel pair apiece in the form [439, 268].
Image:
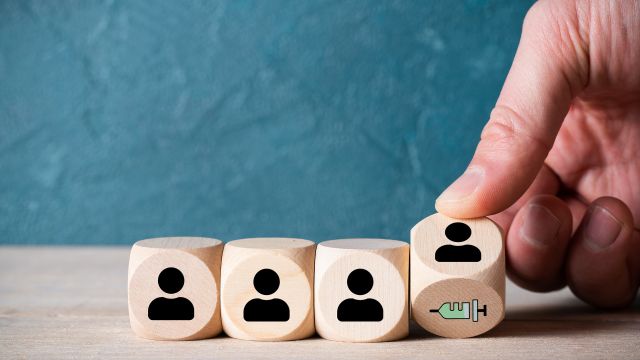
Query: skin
[558, 163]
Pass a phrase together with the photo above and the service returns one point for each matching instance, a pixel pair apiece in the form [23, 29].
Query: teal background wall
[121, 120]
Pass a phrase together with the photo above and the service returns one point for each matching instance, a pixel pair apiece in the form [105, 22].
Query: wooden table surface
[71, 302]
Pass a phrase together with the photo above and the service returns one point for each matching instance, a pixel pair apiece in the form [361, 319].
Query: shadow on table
[551, 321]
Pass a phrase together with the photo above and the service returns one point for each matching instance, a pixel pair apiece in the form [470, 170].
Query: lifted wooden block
[457, 275]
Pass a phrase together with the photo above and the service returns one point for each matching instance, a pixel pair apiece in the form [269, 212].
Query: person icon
[458, 232]
[171, 281]
[360, 282]
[266, 282]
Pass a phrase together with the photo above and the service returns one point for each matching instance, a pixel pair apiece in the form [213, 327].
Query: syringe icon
[460, 310]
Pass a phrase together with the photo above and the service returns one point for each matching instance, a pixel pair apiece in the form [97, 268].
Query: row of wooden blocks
[355, 290]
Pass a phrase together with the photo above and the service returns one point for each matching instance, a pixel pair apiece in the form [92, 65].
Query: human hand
[559, 160]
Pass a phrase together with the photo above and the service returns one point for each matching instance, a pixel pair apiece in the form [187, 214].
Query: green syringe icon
[461, 310]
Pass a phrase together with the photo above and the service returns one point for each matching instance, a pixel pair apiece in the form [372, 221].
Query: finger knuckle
[507, 126]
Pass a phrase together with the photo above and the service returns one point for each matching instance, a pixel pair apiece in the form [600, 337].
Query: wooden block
[457, 275]
[174, 288]
[361, 290]
[267, 289]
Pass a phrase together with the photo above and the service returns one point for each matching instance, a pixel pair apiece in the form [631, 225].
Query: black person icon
[171, 281]
[458, 232]
[360, 282]
[266, 282]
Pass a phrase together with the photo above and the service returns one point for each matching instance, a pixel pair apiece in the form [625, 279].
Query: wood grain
[71, 302]
[291, 261]
[197, 258]
[387, 263]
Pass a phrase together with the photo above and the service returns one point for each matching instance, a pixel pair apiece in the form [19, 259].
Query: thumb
[536, 96]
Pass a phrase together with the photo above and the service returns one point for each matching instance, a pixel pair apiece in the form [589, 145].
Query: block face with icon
[267, 289]
[361, 290]
[173, 288]
[457, 275]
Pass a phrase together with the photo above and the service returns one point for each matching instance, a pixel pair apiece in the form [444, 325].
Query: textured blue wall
[317, 119]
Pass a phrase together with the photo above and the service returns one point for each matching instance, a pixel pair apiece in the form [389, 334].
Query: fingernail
[540, 226]
[602, 228]
[464, 186]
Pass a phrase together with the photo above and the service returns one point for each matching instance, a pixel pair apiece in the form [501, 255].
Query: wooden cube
[361, 290]
[173, 288]
[457, 275]
[267, 289]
